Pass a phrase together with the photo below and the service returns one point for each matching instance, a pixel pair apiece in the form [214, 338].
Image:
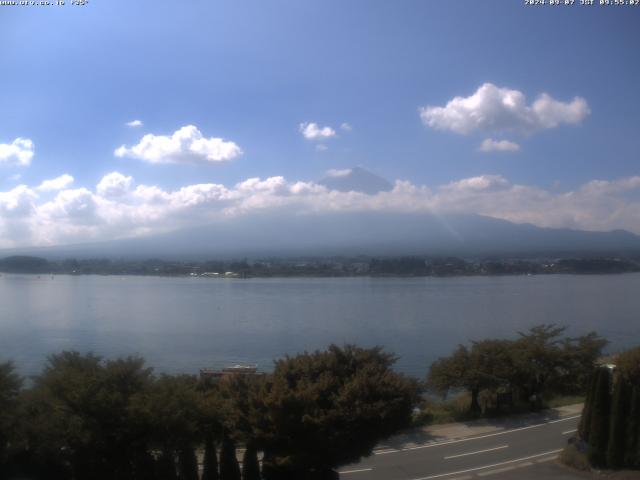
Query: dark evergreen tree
[599, 428]
[587, 410]
[210, 463]
[166, 466]
[618, 422]
[187, 464]
[250, 465]
[10, 384]
[229, 468]
[632, 450]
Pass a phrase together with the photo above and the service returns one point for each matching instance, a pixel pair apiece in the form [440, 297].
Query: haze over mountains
[353, 233]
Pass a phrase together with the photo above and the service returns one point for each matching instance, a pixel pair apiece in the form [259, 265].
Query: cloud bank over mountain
[118, 207]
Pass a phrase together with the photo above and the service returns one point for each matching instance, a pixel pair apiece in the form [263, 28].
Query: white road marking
[548, 459]
[475, 453]
[468, 439]
[489, 466]
[497, 470]
[570, 431]
[355, 471]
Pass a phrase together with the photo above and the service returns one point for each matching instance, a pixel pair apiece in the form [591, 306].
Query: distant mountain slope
[356, 179]
[371, 233]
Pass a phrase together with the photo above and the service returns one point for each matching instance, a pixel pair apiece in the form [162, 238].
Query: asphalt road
[500, 453]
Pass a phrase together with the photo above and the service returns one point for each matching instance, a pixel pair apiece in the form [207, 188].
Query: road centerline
[479, 437]
[501, 447]
[440, 475]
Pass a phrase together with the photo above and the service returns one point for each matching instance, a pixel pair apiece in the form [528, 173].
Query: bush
[574, 458]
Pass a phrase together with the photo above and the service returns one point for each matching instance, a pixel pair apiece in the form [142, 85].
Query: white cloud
[475, 184]
[58, 183]
[114, 184]
[19, 152]
[321, 147]
[346, 127]
[338, 173]
[312, 131]
[186, 145]
[135, 123]
[118, 208]
[491, 145]
[496, 109]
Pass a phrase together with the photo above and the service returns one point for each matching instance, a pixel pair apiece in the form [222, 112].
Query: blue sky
[251, 72]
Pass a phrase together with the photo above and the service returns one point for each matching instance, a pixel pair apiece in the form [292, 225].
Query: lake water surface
[183, 324]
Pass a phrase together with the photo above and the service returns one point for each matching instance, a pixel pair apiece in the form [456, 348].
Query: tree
[10, 385]
[632, 453]
[587, 410]
[330, 408]
[628, 364]
[229, 468]
[210, 462]
[488, 365]
[599, 427]
[538, 358]
[169, 411]
[78, 414]
[617, 425]
[250, 465]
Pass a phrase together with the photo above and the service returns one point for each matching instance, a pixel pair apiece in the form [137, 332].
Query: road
[472, 457]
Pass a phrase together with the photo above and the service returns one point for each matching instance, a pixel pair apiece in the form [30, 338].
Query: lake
[184, 324]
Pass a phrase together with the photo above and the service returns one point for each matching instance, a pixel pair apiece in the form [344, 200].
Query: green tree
[632, 451]
[210, 462]
[599, 428]
[617, 425]
[330, 408]
[250, 465]
[170, 411]
[538, 358]
[587, 410]
[229, 468]
[488, 365]
[10, 385]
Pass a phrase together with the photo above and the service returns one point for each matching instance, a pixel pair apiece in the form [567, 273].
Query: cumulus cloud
[135, 123]
[346, 127]
[186, 145]
[19, 152]
[491, 145]
[118, 208]
[338, 173]
[58, 183]
[114, 184]
[312, 131]
[497, 109]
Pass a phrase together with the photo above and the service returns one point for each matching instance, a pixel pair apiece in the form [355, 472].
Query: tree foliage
[540, 360]
[330, 408]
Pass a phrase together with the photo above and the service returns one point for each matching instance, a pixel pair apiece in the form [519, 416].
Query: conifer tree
[585, 419]
[617, 424]
[250, 465]
[210, 467]
[599, 427]
[632, 450]
[229, 468]
[187, 464]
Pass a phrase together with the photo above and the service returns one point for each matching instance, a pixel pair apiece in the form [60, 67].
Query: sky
[123, 118]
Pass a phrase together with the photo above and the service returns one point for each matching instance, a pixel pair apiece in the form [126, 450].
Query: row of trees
[84, 417]
[610, 423]
[538, 362]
